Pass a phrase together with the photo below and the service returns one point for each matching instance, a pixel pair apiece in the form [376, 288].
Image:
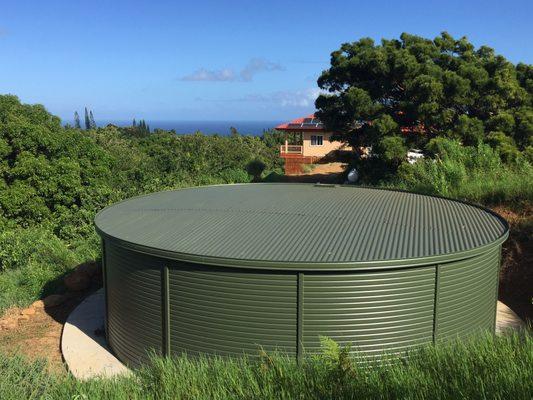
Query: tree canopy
[417, 89]
[60, 176]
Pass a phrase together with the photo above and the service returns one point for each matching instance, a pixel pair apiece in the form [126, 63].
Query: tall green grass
[482, 368]
[469, 173]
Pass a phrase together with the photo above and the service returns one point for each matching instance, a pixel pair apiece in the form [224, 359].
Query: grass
[307, 168]
[485, 367]
[469, 173]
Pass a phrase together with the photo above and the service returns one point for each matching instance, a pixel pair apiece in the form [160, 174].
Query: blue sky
[216, 60]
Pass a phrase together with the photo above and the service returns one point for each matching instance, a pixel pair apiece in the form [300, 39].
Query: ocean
[255, 128]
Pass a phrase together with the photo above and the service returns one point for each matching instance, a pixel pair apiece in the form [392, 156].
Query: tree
[255, 168]
[91, 120]
[233, 131]
[134, 124]
[426, 88]
[77, 124]
[87, 120]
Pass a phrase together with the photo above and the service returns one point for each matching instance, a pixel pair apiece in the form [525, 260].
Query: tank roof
[301, 227]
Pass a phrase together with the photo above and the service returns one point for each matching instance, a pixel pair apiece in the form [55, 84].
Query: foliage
[417, 89]
[471, 173]
[391, 149]
[481, 368]
[255, 168]
[504, 145]
[307, 168]
[273, 138]
[31, 260]
[54, 179]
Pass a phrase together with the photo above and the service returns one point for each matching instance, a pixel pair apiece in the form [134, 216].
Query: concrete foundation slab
[86, 353]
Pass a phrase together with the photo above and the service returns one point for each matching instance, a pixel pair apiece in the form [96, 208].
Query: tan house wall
[320, 151]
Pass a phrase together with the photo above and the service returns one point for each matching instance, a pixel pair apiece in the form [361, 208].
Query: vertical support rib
[436, 302]
[166, 310]
[498, 267]
[106, 297]
[299, 316]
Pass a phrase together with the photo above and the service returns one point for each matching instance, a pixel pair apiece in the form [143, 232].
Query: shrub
[308, 168]
[391, 149]
[31, 261]
[255, 168]
[470, 173]
[234, 175]
[505, 145]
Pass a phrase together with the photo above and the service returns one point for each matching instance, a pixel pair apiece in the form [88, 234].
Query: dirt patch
[35, 331]
[323, 173]
[516, 275]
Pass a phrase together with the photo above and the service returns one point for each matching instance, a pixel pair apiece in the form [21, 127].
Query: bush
[255, 168]
[31, 261]
[391, 149]
[234, 175]
[53, 180]
[505, 146]
[471, 173]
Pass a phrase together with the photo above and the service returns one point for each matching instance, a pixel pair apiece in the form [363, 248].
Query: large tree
[416, 88]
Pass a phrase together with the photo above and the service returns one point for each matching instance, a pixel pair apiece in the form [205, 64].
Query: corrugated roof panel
[284, 224]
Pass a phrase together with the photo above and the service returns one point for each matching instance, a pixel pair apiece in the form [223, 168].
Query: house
[314, 143]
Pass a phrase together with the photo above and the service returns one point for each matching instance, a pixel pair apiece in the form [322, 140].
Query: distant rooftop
[309, 123]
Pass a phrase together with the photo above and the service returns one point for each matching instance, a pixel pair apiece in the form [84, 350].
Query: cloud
[256, 65]
[222, 75]
[252, 68]
[286, 98]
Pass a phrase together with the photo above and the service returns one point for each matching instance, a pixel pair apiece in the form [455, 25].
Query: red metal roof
[308, 123]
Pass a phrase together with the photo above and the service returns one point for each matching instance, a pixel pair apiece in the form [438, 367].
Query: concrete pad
[507, 320]
[86, 354]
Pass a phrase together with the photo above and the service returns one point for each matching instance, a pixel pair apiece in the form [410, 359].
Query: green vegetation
[471, 112]
[474, 173]
[307, 168]
[420, 88]
[54, 179]
[409, 92]
[484, 368]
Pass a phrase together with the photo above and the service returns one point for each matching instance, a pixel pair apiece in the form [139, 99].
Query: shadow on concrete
[83, 344]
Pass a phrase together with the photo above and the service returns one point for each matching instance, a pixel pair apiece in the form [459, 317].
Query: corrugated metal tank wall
[467, 295]
[372, 311]
[134, 307]
[230, 311]
[153, 303]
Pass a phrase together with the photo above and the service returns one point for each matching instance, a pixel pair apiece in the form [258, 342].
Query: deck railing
[290, 149]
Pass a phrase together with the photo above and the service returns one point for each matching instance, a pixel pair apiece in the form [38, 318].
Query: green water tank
[231, 269]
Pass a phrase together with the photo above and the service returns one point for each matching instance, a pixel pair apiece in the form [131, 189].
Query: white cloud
[253, 67]
[222, 75]
[298, 98]
[286, 98]
[256, 65]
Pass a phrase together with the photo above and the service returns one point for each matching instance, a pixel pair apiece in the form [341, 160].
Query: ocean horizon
[255, 128]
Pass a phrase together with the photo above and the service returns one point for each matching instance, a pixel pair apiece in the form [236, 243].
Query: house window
[317, 140]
